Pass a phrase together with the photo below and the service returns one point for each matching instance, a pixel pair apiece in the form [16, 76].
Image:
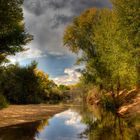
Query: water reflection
[77, 123]
[107, 126]
[64, 126]
[19, 132]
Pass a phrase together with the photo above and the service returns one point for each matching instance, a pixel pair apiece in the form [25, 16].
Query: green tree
[12, 30]
[78, 38]
[108, 59]
[114, 53]
[20, 85]
[25, 85]
[128, 14]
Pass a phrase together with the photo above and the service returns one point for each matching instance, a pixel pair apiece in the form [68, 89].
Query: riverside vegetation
[21, 85]
[108, 41]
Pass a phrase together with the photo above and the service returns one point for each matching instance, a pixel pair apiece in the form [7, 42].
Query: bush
[3, 102]
[28, 85]
[108, 103]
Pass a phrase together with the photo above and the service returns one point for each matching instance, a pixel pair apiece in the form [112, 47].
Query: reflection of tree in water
[109, 127]
[25, 131]
[43, 124]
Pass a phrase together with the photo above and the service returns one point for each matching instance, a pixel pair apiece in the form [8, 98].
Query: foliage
[12, 30]
[63, 87]
[128, 15]
[24, 85]
[106, 51]
[3, 102]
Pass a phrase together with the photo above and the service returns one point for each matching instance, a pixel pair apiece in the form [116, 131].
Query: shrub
[3, 102]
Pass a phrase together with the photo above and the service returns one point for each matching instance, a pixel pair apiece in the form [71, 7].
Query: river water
[76, 123]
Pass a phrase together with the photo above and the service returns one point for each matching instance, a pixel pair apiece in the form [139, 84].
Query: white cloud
[66, 125]
[72, 76]
[31, 53]
[72, 118]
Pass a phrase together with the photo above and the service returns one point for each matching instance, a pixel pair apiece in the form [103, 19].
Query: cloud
[71, 76]
[46, 27]
[72, 118]
[47, 19]
[29, 54]
[66, 125]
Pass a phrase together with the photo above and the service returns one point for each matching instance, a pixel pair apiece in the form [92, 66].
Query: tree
[19, 84]
[78, 37]
[28, 85]
[118, 63]
[108, 59]
[12, 30]
[128, 14]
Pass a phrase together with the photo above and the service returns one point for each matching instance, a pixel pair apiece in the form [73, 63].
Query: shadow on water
[76, 123]
[19, 132]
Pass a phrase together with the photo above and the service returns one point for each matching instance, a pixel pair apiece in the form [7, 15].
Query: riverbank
[132, 108]
[17, 114]
[126, 103]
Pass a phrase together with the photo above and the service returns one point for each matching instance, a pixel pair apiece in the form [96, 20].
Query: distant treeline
[28, 85]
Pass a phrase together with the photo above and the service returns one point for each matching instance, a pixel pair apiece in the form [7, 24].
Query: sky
[46, 20]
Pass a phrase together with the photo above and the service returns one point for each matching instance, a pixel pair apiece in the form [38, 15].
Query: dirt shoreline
[17, 114]
[131, 109]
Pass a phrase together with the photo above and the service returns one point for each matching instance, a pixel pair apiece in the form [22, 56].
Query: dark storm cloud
[61, 20]
[46, 20]
[40, 6]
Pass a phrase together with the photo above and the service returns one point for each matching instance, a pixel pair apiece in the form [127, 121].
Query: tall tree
[109, 62]
[128, 14]
[12, 30]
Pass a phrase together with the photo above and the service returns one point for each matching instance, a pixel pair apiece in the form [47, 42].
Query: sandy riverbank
[17, 114]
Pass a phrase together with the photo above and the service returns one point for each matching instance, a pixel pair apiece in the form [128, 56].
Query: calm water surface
[74, 124]
[63, 126]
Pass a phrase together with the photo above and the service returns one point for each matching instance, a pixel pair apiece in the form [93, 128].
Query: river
[75, 123]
